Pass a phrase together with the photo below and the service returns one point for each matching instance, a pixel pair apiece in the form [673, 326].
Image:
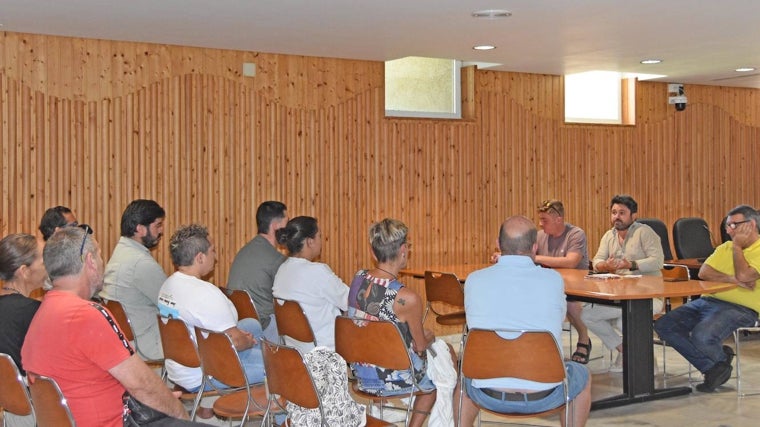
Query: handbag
[137, 413]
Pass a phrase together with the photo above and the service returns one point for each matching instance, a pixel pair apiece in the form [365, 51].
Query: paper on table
[605, 276]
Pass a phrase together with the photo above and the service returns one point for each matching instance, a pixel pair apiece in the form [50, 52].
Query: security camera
[676, 96]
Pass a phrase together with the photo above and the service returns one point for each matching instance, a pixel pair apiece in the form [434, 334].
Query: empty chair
[292, 322]
[724, 236]
[379, 343]
[692, 238]
[670, 273]
[534, 356]
[243, 303]
[50, 407]
[117, 310]
[220, 361]
[178, 346]
[444, 289]
[289, 378]
[737, 334]
[14, 396]
[661, 229]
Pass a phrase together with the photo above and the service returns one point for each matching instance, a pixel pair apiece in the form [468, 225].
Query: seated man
[517, 294]
[56, 218]
[186, 296]
[697, 329]
[79, 345]
[629, 247]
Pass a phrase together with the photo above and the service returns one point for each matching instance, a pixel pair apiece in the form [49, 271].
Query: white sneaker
[618, 365]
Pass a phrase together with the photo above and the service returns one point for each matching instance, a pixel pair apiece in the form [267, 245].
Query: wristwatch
[634, 266]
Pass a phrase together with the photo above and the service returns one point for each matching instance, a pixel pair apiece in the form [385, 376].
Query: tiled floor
[720, 409]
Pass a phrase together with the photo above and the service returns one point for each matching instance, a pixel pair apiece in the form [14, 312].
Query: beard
[150, 241]
[621, 226]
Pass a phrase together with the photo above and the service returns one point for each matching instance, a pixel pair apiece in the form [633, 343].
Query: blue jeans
[251, 359]
[697, 329]
[577, 378]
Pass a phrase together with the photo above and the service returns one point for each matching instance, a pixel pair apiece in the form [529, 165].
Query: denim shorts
[577, 378]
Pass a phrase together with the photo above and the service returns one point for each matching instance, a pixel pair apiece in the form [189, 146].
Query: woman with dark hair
[22, 271]
[321, 293]
[377, 294]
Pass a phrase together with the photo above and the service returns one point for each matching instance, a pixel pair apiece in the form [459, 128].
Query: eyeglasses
[548, 205]
[87, 231]
[733, 225]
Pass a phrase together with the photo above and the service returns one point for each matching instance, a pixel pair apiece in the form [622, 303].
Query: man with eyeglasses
[563, 245]
[697, 329]
[78, 344]
[133, 277]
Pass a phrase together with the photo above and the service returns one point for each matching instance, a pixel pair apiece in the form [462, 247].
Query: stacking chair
[670, 273]
[14, 396]
[178, 346]
[292, 322]
[289, 378]
[377, 342]
[120, 315]
[220, 361]
[50, 407]
[737, 333]
[659, 227]
[534, 355]
[445, 289]
[692, 238]
[243, 303]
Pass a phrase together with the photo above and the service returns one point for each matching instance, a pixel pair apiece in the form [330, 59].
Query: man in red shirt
[73, 341]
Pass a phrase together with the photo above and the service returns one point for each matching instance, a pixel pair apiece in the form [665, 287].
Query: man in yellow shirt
[697, 329]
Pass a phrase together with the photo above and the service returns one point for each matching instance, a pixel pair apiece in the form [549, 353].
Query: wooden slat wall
[94, 124]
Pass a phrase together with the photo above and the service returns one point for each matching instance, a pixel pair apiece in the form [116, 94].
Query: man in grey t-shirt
[133, 277]
[256, 264]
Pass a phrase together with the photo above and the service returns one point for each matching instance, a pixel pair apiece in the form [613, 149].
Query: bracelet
[634, 265]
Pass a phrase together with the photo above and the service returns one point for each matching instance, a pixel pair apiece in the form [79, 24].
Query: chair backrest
[692, 238]
[50, 407]
[177, 342]
[378, 342]
[445, 288]
[292, 322]
[674, 272]
[219, 359]
[533, 355]
[661, 229]
[14, 396]
[120, 316]
[288, 376]
[243, 303]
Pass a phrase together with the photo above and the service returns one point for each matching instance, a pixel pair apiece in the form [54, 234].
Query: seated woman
[22, 270]
[377, 294]
[321, 293]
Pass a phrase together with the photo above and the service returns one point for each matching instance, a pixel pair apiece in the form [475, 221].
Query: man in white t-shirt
[186, 296]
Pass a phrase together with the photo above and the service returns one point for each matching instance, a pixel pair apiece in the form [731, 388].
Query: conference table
[634, 295]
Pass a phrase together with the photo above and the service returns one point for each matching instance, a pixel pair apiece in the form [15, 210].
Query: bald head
[517, 236]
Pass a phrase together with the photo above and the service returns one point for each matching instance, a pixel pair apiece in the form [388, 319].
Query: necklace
[15, 291]
[386, 271]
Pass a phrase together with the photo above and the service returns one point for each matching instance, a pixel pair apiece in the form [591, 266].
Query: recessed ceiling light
[745, 69]
[484, 47]
[491, 14]
[651, 61]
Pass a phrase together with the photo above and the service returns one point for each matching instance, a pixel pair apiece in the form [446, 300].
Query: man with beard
[627, 248]
[133, 277]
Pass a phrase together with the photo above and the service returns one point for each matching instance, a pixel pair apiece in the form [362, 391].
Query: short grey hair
[62, 252]
[749, 213]
[187, 242]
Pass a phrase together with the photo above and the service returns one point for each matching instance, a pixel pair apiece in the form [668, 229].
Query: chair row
[692, 237]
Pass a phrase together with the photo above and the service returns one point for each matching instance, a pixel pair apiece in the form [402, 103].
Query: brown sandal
[579, 357]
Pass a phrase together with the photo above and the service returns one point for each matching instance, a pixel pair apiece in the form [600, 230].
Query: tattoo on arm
[401, 301]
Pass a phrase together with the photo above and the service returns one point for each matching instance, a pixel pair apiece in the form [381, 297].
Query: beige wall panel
[93, 124]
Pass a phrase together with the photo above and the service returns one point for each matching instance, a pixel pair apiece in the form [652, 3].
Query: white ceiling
[700, 42]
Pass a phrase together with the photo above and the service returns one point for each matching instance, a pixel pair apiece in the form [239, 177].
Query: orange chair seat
[452, 319]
